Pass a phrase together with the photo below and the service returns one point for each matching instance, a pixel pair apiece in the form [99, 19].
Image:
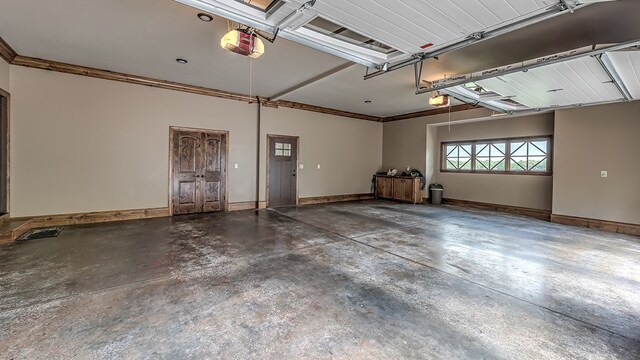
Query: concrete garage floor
[356, 280]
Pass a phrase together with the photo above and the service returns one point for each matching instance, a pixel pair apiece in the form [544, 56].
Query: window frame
[507, 159]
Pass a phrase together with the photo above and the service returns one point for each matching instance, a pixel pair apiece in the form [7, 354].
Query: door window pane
[283, 149]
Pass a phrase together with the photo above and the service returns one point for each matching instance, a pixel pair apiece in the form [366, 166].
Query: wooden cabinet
[400, 188]
[384, 187]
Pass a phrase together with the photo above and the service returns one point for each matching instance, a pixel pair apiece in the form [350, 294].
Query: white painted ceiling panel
[409, 24]
[374, 24]
[579, 81]
[627, 65]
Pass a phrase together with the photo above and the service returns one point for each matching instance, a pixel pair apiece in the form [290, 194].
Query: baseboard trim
[534, 213]
[81, 218]
[334, 199]
[14, 231]
[246, 205]
[605, 225]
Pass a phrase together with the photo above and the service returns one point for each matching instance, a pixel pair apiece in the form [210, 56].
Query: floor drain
[41, 233]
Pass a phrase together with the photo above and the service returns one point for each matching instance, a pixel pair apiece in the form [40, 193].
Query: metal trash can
[435, 194]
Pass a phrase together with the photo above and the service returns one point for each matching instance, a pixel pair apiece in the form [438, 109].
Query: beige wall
[529, 191]
[4, 75]
[587, 141]
[81, 144]
[404, 142]
[349, 151]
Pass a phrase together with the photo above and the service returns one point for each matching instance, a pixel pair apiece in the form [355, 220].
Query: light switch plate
[318, 166]
[235, 166]
[604, 174]
[301, 166]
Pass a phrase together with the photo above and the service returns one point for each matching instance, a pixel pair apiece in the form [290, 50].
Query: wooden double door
[199, 171]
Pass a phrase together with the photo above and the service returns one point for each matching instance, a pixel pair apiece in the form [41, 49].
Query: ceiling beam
[7, 52]
[314, 79]
[432, 112]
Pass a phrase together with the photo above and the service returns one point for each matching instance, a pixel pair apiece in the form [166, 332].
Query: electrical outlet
[318, 166]
[301, 166]
[604, 174]
[235, 166]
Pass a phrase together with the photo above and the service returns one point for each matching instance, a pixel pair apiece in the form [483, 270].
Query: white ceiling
[144, 37]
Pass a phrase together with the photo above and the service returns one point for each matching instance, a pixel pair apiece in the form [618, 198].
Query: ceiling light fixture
[439, 100]
[205, 17]
[243, 43]
[181, 61]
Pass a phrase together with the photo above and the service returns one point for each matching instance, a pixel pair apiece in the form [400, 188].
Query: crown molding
[432, 112]
[6, 51]
[323, 110]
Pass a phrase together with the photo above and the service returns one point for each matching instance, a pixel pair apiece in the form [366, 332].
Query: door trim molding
[268, 153]
[172, 132]
[5, 123]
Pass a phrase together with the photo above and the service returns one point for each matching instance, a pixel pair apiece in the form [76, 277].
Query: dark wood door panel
[199, 172]
[213, 173]
[186, 160]
[188, 149]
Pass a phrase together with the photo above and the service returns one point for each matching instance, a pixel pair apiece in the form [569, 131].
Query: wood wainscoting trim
[605, 225]
[534, 213]
[334, 199]
[245, 205]
[81, 218]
